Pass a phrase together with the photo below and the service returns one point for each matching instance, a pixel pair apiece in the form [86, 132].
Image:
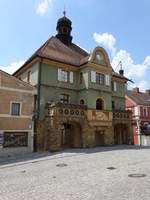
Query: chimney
[147, 91]
[136, 89]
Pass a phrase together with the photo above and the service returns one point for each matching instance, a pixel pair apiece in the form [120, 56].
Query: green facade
[51, 88]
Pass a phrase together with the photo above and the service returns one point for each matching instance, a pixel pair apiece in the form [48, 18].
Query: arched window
[81, 102]
[99, 104]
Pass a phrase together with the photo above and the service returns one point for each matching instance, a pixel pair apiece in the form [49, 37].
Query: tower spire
[64, 12]
[64, 28]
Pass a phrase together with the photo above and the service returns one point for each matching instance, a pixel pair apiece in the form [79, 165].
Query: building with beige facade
[16, 115]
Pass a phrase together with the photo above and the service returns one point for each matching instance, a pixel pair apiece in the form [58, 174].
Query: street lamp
[137, 118]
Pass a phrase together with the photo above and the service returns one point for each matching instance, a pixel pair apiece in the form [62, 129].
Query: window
[114, 86]
[113, 105]
[15, 139]
[93, 76]
[65, 76]
[64, 98]
[99, 104]
[28, 76]
[81, 102]
[81, 78]
[145, 112]
[15, 109]
[99, 58]
[100, 78]
[107, 79]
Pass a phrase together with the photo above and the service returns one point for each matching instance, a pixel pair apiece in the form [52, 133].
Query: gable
[8, 81]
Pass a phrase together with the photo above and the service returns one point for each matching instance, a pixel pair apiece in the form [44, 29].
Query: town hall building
[80, 99]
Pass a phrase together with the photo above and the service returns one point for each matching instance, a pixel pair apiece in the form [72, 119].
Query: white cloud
[12, 67]
[136, 72]
[143, 85]
[147, 61]
[106, 40]
[44, 6]
[131, 70]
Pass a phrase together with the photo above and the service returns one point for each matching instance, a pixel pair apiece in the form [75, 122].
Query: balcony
[122, 115]
[99, 115]
[66, 110]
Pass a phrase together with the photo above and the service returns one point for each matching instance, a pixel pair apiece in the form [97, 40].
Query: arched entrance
[120, 134]
[71, 136]
[99, 104]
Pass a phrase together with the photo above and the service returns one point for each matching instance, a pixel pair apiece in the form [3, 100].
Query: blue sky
[120, 26]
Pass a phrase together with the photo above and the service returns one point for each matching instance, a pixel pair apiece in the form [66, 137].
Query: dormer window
[99, 58]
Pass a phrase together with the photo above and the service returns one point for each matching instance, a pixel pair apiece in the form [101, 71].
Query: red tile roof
[139, 98]
[55, 50]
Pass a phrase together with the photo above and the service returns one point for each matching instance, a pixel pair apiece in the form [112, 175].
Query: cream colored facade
[16, 131]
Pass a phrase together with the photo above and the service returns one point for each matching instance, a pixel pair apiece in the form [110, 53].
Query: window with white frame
[15, 109]
[65, 76]
[107, 79]
[145, 112]
[114, 86]
[100, 78]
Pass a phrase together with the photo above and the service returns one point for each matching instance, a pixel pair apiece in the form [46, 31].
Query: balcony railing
[122, 114]
[71, 110]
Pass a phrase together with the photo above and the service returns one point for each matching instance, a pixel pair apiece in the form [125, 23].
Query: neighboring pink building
[139, 103]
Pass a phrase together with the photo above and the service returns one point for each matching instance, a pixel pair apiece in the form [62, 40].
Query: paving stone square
[78, 174]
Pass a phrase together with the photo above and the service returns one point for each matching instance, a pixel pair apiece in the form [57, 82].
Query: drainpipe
[37, 104]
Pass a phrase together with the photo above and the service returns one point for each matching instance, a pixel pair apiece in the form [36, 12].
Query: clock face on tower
[99, 58]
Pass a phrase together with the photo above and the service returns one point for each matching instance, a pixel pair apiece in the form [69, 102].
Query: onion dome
[64, 28]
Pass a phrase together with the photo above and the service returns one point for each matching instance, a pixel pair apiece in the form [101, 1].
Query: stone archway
[71, 135]
[121, 134]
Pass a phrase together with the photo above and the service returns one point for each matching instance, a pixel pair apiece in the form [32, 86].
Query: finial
[120, 64]
[64, 12]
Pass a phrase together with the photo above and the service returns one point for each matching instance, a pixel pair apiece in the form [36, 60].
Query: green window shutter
[71, 77]
[93, 76]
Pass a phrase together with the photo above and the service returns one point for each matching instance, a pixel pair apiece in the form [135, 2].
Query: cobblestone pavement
[77, 174]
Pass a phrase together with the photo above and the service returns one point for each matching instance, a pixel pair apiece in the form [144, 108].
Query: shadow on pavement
[43, 156]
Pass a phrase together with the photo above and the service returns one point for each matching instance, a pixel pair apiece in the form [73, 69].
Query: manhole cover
[23, 171]
[136, 175]
[61, 165]
[111, 168]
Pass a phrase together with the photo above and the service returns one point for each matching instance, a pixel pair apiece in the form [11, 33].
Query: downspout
[37, 105]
